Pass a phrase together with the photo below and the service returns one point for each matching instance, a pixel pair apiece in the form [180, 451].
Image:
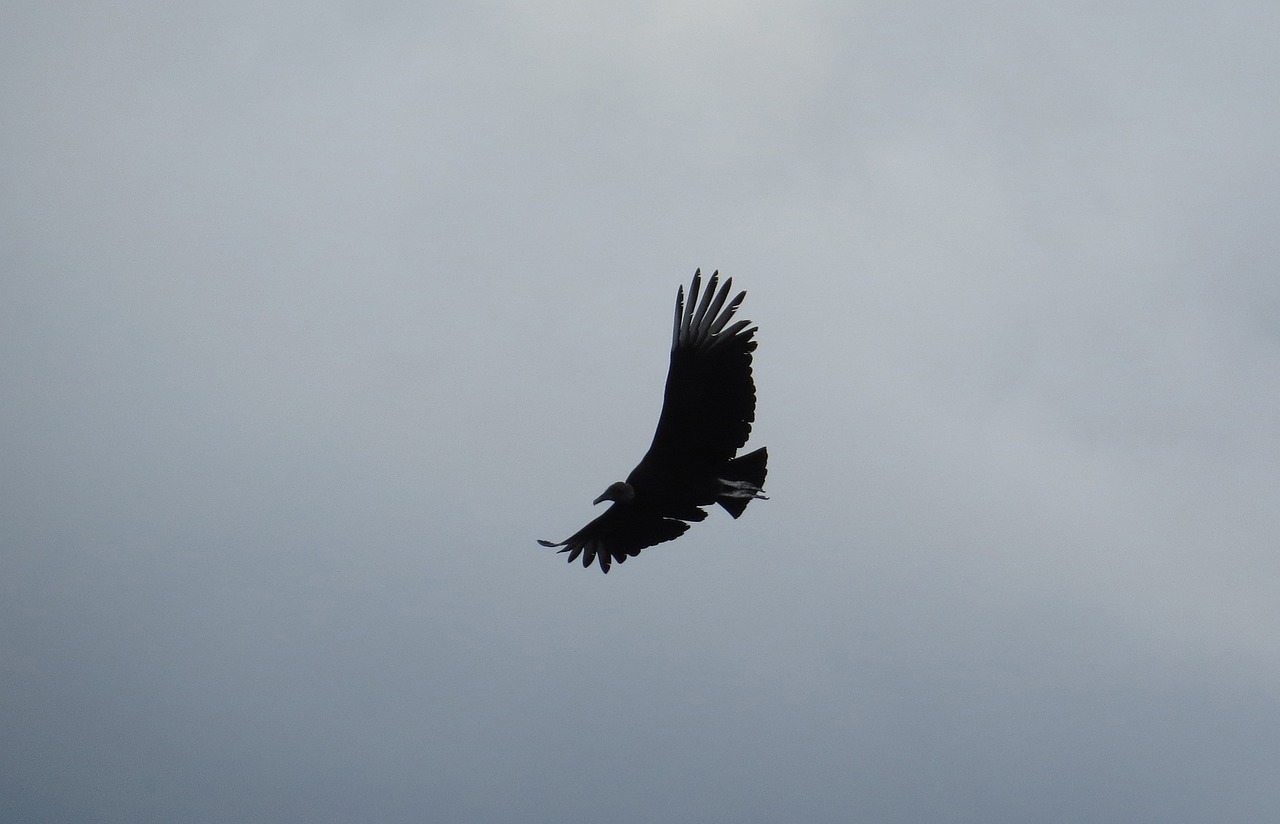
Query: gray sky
[316, 315]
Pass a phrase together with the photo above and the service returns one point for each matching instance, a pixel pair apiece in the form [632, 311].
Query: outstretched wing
[617, 534]
[710, 399]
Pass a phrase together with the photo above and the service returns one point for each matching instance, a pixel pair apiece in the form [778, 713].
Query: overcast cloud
[316, 315]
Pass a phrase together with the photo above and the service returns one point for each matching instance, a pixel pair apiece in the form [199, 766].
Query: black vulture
[707, 411]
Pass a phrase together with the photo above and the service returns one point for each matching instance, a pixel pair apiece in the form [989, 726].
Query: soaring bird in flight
[707, 411]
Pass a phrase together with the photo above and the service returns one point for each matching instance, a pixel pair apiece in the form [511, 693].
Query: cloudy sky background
[316, 315]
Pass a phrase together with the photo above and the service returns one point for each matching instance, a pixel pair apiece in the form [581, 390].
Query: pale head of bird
[619, 491]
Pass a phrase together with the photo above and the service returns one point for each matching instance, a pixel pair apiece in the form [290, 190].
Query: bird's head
[619, 491]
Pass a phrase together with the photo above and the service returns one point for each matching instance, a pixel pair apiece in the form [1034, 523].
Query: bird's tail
[742, 481]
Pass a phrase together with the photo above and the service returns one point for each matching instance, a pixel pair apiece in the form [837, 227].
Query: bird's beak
[604, 496]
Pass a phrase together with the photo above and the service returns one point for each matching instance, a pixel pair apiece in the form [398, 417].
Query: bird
[708, 407]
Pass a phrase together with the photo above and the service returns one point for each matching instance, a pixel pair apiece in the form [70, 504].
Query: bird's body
[707, 411]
